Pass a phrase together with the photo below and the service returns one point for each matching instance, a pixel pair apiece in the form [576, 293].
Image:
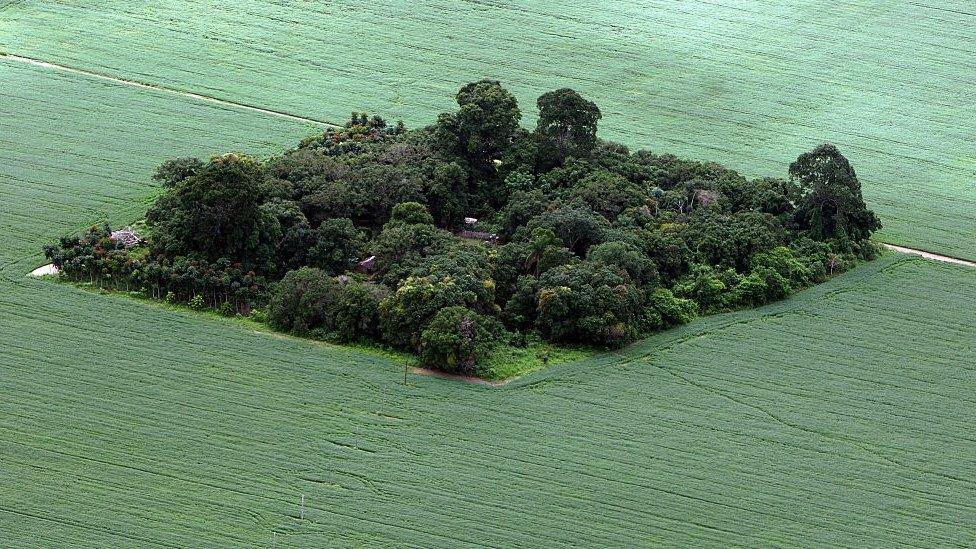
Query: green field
[77, 150]
[738, 81]
[849, 424]
[839, 417]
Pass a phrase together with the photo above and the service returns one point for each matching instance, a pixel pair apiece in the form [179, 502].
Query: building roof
[126, 236]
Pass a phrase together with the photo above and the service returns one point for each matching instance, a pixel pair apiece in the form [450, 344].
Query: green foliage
[830, 203]
[664, 310]
[704, 286]
[566, 126]
[406, 312]
[411, 213]
[626, 257]
[457, 339]
[399, 248]
[484, 125]
[470, 269]
[607, 194]
[591, 232]
[226, 308]
[576, 225]
[590, 303]
[339, 246]
[216, 213]
[196, 303]
[259, 315]
[309, 301]
[172, 172]
[355, 312]
[302, 300]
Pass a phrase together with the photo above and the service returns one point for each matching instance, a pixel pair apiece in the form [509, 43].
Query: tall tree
[216, 213]
[485, 124]
[567, 126]
[830, 203]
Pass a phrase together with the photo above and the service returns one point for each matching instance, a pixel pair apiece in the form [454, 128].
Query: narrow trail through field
[142, 85]
[929, 255]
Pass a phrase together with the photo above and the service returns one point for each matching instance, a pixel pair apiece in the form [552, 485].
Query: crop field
[77, 150]
[739, 81]
[839, 417]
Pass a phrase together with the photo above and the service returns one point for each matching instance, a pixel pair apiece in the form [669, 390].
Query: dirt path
[458, 377]
[930, 255]
[134, 84]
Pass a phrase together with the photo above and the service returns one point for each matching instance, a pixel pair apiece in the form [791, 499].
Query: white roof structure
[126, 236]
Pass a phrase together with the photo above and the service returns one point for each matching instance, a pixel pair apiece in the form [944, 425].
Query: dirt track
[930, 255]
[135, 84]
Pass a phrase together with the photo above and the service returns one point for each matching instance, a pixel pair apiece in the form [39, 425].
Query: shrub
[456, 339]
[664, 310]
[196, 303]
[259, 315]
[356, 311]
[227, 309]
[301, 302]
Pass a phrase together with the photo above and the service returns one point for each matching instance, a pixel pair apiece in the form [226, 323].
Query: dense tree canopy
[449, 240]
[566, 126]
[830, 203]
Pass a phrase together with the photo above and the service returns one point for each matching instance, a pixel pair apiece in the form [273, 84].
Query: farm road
[929, 255]
[135, 84]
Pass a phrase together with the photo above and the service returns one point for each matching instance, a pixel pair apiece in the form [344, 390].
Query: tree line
[592, 243]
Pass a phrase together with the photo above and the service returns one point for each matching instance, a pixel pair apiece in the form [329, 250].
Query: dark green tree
[216, 213]
[457, 339]
[339, 246]
[411, 213]
[487, 118]
[626, 257]
[590, 303]
[302, 301]
[566, 127]
[175, 170]
[405, 313]
[830, 203]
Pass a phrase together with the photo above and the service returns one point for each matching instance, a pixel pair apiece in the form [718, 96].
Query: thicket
[475, 232]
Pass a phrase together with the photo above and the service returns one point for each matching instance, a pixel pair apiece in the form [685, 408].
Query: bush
[456, 339]
[301, 302]
[703, 285]
[196, 303]
[259, 315]
[356, 311]
[664, 310]
[227, 309]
